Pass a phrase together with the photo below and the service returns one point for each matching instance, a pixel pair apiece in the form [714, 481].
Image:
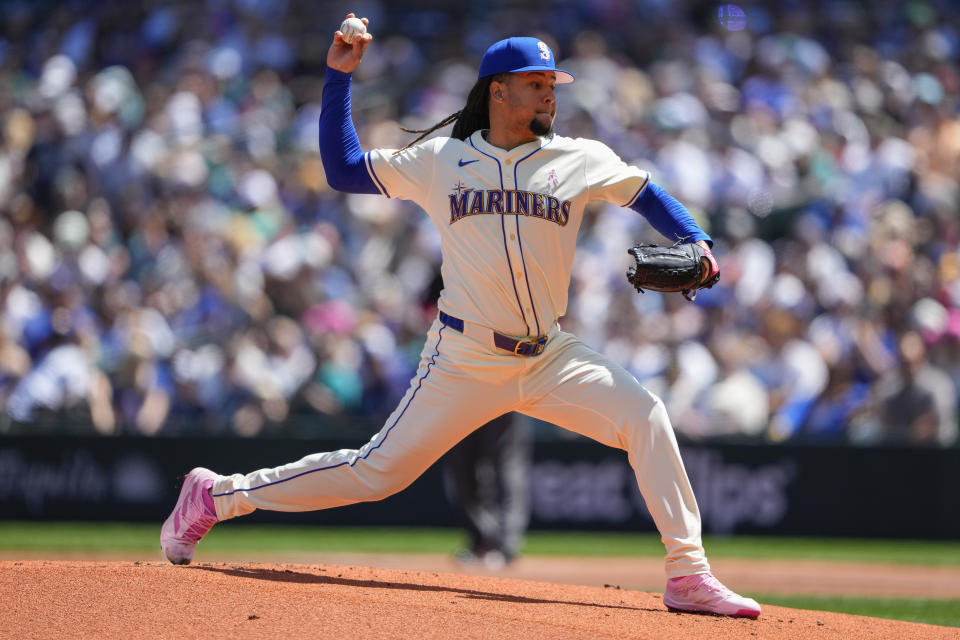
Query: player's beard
[540, 128]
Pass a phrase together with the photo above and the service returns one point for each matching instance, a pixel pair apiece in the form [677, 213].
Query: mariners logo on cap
[544, 50]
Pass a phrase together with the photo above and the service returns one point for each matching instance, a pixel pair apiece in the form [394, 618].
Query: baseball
[351, 28]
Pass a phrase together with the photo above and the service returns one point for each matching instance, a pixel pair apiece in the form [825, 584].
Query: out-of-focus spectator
[15, 363]
[143, 404]
[63, 381]
[794, 372]
[916, 403]
[739, 403]
[842, 403]
[271, 365]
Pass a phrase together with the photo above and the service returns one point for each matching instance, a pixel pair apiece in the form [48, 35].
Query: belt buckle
[538, 343]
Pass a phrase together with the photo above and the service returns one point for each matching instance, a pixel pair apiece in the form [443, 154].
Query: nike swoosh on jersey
[464, 163]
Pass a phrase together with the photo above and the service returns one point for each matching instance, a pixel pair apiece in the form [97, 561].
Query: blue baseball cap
[521, 54]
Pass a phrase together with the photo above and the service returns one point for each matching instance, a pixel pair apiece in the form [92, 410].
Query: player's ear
[496, 90]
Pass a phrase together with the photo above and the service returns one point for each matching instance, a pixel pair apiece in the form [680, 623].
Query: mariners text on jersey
[468, 202]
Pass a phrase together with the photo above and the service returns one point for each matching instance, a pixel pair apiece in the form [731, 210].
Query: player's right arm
[406, 175]
[340, 150]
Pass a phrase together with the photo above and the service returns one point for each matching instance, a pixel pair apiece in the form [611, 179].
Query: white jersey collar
[480, 142]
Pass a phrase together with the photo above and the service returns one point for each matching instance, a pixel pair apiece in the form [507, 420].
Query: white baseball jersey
[508, 220]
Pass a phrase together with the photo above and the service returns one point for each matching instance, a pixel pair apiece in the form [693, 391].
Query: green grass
[105, 538]
[924, 552]
[928, 611]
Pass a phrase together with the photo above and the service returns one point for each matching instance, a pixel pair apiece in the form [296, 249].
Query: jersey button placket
[516, 258]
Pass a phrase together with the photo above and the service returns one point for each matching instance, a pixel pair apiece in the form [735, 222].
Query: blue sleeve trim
[340, 149]
[639, 191]
[373, 174]
[668, 216]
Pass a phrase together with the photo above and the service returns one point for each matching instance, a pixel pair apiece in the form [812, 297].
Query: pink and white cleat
[703, 593]
[191, 519]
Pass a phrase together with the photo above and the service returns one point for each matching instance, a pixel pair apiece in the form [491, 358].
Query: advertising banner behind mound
[575, 484]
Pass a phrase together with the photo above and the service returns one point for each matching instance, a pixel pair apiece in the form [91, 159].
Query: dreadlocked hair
[474, 115]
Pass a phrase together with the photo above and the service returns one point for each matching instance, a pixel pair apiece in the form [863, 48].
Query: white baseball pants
[463, 382]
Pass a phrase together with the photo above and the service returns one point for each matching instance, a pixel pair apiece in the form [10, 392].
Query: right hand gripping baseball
[346, 57]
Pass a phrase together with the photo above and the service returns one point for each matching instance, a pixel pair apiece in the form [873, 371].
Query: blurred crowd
[173, 262]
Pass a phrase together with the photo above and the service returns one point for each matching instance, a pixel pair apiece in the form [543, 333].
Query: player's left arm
[610, 178]
[668, 216]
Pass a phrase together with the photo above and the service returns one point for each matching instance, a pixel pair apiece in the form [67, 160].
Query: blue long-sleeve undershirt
[668, 216]
[340, 149]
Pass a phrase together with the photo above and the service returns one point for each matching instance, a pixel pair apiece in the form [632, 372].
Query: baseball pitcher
[507, 196]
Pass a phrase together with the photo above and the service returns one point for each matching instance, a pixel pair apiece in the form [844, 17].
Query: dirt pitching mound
[66, 599]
